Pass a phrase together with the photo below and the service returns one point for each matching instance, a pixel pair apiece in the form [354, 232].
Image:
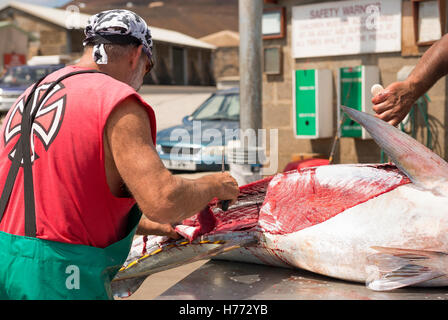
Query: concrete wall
[53, 42]
[53, 39]
[226, 62]
[278, 101]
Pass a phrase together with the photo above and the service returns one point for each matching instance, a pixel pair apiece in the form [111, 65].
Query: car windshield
[24, 75]
[219, 107]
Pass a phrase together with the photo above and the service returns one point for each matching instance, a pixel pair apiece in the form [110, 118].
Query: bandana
[116, 27]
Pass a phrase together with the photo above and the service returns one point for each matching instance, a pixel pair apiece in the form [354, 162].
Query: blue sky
[50, 3]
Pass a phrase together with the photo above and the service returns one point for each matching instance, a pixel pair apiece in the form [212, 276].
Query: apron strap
[22, 157]
[14, 169]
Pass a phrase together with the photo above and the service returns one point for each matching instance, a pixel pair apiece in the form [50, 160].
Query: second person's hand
[394, 103]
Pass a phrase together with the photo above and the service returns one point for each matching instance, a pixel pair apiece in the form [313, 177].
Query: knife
[224, 203]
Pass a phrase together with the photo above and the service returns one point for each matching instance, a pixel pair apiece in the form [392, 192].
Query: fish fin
[126, 287]
[415, 160]
[411, 254]
[395, 268]
[403, 277]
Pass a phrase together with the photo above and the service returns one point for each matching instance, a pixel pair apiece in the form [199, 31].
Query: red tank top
[73, 201]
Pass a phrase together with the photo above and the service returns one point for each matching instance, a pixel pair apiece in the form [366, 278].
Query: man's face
[144, 66]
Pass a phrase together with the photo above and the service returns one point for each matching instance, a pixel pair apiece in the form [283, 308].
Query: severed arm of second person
[394, 102]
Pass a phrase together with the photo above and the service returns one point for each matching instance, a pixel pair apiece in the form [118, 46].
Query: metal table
[225, 280]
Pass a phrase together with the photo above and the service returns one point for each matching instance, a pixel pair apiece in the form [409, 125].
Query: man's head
[120, 43]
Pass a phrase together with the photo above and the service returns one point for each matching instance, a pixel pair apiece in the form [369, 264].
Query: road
[172, 104]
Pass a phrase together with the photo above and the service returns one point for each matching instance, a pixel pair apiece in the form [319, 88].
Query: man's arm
[395, 102]
[162, 197]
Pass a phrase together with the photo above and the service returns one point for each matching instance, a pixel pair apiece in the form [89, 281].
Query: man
[67, 222]
[395, 102]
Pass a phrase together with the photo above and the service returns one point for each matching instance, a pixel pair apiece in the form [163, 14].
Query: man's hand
[396, 100]
[148, 227]
[228, 187]
[394, 103]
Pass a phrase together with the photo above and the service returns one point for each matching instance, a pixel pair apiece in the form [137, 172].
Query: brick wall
[53, 39]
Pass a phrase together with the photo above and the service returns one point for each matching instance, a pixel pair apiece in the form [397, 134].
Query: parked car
[198, 143]
[17, 79]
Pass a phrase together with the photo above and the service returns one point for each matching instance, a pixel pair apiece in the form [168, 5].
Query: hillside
[196, 18]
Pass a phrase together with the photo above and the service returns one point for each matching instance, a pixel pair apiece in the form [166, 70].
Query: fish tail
[394, 268]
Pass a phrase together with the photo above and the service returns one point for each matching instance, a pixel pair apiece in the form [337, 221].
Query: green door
[305, 111]
[351, 96]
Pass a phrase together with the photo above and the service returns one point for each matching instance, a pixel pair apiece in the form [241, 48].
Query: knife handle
[225, 205]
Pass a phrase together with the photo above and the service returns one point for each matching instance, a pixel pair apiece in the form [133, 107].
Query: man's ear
[135, 56]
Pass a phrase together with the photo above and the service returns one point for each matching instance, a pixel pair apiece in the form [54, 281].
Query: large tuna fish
[384, 225]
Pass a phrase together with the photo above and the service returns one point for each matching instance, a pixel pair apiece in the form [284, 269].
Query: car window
[219, 107]
[17, 76]
[39, 73]
[232, 106]
[210, 108]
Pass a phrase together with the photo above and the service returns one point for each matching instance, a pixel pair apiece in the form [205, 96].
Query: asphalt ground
[171, 105]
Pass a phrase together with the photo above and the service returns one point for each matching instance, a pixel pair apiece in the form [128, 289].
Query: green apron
[32, 268]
